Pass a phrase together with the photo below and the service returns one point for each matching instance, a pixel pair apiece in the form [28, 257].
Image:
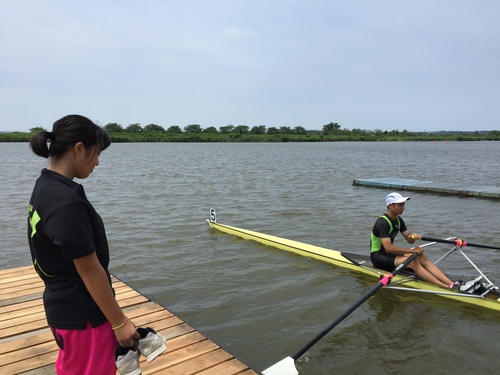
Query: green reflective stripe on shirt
[35, 218]
[37, 267]
[391, 229]
[376, 242]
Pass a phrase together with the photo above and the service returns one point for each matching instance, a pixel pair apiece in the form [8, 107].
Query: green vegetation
[331, 132]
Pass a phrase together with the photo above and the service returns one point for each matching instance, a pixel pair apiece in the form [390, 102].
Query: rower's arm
[396, 250]
[411, 237]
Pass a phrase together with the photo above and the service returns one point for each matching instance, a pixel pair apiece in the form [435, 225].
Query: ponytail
[38, 144]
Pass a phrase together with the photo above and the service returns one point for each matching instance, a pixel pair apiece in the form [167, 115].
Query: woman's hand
[127, 334]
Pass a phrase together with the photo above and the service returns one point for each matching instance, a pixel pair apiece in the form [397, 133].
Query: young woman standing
[70, 251]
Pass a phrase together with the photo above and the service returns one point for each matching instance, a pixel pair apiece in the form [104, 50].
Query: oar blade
[284, 367]
[287, 365]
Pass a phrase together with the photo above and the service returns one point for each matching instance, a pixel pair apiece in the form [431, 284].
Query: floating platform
[28, 347]
[489, 192]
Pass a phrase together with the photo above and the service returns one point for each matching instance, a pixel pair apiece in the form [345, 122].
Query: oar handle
[384, 281]
[460, 243]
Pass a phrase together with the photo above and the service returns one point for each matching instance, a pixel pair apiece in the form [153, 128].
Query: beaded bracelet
[121, 325]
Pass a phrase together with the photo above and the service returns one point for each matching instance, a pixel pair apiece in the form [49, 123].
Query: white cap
[395, 198]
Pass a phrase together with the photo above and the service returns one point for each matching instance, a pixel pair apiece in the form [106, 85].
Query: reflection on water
[263, 304]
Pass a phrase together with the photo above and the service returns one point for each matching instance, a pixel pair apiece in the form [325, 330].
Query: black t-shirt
[62, 226]
[382, 229]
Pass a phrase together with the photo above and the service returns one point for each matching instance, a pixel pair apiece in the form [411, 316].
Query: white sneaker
[127, 361]
[472, 286]
[151, 344]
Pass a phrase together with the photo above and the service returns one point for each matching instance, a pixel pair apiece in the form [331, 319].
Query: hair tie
[50, 135]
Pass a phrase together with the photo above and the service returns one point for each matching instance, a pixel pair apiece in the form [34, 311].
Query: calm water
[262, 304]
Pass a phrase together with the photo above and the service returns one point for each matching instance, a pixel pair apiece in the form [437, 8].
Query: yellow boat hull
[337, 258]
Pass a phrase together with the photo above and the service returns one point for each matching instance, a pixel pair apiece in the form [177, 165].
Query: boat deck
[28, 347]
[489, 192]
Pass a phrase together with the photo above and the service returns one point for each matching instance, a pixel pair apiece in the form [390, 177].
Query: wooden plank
[45, 370]
[20, 307]
[24, 365]
[17, 271]
[28, 352]
[34, 339]
[187, 348]
[231, 366]
[23, 292]
[23, 319]
[20, 279]
[28, 347]
[196, 358]
[19, 299]
[28, 327]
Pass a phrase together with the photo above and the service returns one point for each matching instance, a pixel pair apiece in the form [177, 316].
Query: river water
[262, 304]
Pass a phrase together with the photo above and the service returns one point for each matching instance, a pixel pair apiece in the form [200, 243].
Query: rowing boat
[481, 291]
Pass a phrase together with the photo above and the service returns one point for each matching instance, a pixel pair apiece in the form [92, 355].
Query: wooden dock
[444, 188]
[28, 347]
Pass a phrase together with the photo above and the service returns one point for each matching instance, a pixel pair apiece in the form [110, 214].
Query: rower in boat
[479, 291]
[385, 255]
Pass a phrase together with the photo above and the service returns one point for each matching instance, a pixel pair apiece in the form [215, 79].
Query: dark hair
[66, 132]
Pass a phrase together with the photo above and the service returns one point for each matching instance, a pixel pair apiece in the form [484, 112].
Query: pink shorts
[88, 351]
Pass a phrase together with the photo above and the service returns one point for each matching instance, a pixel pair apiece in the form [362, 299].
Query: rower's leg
[434, 270]
[424, 274]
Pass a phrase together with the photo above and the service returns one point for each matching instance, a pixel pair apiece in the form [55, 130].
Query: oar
[287, 365]
[460, 243]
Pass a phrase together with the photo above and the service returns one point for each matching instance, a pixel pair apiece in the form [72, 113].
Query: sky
[426, 65]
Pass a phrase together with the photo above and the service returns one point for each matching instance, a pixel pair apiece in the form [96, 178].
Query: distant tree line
[331, 132]
[260, 133]
[197, 129]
